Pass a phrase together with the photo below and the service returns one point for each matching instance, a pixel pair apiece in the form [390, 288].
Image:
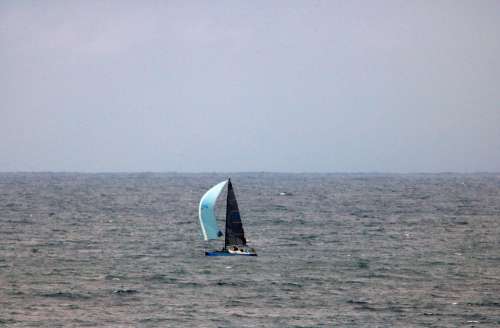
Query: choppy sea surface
[125, 250]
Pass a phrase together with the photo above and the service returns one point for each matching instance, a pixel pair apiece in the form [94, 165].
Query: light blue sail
[207, 217]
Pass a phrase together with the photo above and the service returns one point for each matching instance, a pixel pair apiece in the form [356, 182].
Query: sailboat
[234, 236]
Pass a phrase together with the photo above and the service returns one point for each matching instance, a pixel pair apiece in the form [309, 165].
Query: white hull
[241, 250]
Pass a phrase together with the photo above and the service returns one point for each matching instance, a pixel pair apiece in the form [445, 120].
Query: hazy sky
[316, 86]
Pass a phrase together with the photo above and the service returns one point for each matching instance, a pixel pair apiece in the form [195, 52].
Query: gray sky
[320, 86]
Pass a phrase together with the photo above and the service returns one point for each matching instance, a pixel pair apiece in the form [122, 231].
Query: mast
[234, 228]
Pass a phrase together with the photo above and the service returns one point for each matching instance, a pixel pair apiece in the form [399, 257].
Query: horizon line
[258, 172]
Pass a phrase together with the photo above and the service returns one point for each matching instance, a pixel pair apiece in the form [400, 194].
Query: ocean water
[125, 250]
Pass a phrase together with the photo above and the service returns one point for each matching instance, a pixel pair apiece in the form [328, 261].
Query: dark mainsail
[234, 229]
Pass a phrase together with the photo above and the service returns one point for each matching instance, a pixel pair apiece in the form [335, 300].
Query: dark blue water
[117, 250]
